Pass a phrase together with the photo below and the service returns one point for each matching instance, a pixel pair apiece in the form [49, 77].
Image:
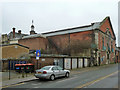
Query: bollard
[26, 74]
[22, 73]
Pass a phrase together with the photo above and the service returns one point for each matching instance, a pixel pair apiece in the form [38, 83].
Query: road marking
[94, 81]
[77, 75]
[12, 85]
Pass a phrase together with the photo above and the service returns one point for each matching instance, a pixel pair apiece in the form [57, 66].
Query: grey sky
[50, 15]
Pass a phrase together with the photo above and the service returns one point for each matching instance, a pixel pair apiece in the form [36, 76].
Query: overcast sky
[50, 15]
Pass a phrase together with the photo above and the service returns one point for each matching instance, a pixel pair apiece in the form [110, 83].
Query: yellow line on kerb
[12, 85]
[86, 84]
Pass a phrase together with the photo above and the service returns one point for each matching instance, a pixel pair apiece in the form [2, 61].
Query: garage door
[67, 63]
[80, 62]
[74, 63]
[86, 62]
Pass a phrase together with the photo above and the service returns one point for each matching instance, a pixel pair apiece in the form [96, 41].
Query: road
[98, 77]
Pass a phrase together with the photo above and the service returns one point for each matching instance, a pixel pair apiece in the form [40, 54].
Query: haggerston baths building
[96, 41]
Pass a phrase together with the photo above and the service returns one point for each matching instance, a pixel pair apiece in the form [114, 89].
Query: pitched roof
[17, 35]
[93, 26]
[33, 36]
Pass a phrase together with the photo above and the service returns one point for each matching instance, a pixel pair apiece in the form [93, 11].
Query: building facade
[13, 51]
[96, 40]
[35, 42]
[117, 53]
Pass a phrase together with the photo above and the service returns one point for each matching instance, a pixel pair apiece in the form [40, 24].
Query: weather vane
[32, 22]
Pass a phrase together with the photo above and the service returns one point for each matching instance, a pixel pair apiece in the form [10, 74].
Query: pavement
[31, 77]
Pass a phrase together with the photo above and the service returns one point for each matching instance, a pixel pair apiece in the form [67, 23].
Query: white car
[51, 72]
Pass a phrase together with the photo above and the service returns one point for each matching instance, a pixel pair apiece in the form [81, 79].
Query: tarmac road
[102, 77]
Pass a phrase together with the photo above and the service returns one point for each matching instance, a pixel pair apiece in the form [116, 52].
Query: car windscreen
[45, 68]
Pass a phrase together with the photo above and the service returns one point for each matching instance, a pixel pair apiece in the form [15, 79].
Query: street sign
[37, 58]
[38, 53]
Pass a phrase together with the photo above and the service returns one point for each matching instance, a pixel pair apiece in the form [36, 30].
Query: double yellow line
[89, 83]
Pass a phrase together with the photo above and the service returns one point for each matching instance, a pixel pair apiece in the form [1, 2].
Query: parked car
[51, 72]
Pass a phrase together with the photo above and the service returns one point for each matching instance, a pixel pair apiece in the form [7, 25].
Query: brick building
[117, 53]
[35, 42]
[96, 40]
[13, 51]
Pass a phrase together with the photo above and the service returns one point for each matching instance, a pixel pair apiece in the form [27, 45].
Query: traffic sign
[38, 53]
[37, 58]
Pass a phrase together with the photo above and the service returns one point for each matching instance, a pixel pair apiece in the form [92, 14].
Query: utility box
[24, 68]
[29, 68]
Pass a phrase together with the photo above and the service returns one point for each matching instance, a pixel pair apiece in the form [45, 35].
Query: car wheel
[67, 75]
[52, 77]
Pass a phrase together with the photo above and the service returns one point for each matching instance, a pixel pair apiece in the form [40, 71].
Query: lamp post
[9, 68]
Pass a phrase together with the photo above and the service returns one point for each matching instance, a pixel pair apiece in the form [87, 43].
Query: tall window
[108, 47]
[103, 43]
[112, 46]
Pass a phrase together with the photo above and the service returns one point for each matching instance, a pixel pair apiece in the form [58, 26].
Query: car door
[61, 71]
[55, 71]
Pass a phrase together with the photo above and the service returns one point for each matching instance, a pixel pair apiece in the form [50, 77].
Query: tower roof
[32, 26]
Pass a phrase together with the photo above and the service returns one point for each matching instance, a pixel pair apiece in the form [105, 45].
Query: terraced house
[96, 40]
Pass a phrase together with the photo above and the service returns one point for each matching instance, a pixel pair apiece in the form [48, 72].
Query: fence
[10, 64]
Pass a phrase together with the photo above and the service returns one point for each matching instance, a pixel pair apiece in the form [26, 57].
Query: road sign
[37, 58]
[38, 53]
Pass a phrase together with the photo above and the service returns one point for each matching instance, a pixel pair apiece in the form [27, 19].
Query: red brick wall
[34, 43]
[48, 61]
[105, 25]
[61, 41]
[118, 55]
[81, 41]
[78, 40]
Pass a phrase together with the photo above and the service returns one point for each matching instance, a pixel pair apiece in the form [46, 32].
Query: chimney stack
[19, 31]
[13, 32]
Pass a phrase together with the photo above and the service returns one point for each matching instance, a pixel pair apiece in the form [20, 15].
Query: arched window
[108, 32]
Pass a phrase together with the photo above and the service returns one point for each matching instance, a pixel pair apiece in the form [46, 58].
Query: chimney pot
[13, 32]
